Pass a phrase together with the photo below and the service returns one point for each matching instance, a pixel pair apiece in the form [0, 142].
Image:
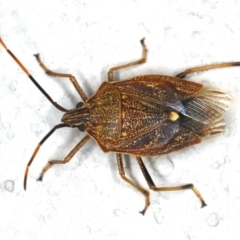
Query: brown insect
[146, 115]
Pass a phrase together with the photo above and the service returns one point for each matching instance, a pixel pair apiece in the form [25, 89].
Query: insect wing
[166, 91]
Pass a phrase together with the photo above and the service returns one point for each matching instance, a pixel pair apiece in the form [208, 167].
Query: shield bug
[146, 115]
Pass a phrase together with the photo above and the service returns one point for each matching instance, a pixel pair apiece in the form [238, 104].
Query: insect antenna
[61, 125]
[32, 79]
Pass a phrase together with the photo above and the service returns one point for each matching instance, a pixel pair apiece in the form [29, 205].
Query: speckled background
[86, 199]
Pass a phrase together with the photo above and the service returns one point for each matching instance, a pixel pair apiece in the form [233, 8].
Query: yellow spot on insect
[173, 116]
[150, 85]
[124, 134]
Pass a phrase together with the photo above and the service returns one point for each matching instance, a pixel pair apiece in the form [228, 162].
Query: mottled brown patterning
[143, 116]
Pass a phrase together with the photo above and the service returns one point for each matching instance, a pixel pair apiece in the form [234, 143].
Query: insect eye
[82, 128]
[80, 104]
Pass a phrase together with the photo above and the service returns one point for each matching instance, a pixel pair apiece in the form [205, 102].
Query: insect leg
[66, 159]
[207, 67]
[71, 78]
[140, 61]
[122, 174]
[37, 149]
[31, 78]
[175, 188]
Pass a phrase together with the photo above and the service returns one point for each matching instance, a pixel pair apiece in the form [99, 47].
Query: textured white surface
[86, 199]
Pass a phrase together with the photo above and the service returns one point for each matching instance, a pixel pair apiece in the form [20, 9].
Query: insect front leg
[140, 61]
[37, 149]
[122, 174]
[32, 78]
[71, 78]
[66, 159]
[207, 67]
[175, 188]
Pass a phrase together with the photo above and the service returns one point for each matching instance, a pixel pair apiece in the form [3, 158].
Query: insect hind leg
[207, 67]
[174, 188]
